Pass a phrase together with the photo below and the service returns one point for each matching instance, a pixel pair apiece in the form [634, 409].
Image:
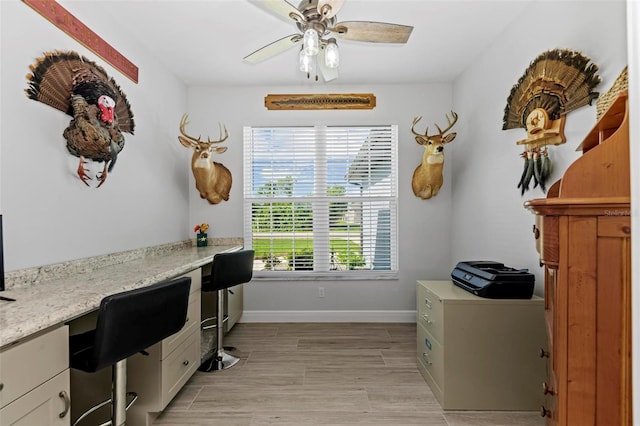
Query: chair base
[217, 362]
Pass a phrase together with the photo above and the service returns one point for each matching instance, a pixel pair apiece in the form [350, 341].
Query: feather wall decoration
[558, 81]
[555, 83]
[82, 89]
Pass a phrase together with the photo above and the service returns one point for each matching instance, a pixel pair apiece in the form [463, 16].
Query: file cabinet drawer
[431, 353]
[430, 313]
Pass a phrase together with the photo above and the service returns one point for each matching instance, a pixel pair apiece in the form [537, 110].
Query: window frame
[391, 198]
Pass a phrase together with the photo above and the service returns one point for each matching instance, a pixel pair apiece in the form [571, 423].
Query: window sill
[324, 276]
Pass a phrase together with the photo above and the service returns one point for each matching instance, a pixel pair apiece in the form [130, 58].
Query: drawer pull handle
[426, 359]
[547, 390]
[426, 318]
[544, 412]
[543, 353]
[67, 403]
[1, 386]
[427, 303]
[186, 362]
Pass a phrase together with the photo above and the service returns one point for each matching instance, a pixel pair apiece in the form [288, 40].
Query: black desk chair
[128, 323]
[227, 270]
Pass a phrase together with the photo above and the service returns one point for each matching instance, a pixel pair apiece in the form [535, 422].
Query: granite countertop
[49, 302]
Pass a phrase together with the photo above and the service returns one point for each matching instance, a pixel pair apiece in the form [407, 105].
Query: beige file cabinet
[477, 353]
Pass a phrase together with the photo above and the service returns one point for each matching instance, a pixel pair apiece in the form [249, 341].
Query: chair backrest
[229, 269]
[131, 321]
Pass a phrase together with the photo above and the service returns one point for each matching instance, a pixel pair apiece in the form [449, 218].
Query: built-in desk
[56, 301]
[55, 298]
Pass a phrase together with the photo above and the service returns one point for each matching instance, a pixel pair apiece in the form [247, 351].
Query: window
[321, 201]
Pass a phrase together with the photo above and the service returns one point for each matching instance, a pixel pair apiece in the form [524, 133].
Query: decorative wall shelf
[320, 101]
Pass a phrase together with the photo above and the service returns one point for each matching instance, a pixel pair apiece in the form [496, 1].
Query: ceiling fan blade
[333, 7]
[328, 74]
[376, 32]
[273, 49]
[281, 8]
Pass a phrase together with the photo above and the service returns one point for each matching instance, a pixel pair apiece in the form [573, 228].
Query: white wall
[49, 214]
[425, 226]
[488, 215]
[150, 197]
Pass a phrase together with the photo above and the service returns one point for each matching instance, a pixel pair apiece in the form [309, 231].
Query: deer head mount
[427, 178]
[213, 180]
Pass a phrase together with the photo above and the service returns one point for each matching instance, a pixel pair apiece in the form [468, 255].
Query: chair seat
[80, 349]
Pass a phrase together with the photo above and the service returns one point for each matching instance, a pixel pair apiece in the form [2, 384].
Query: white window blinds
[321, 200]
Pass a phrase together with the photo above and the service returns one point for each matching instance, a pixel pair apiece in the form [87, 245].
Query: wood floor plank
[321, 374]
[243, 399]
[326, 358]
[347, 419]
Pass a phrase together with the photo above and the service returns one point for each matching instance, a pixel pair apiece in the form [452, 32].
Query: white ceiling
[203, 41]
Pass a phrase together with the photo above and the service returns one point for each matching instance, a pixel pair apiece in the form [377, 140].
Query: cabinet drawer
[32, 362]
[193, 323]
[430, 312]
[48, 404]
[431, 353]
[546, 232]
[179, 366]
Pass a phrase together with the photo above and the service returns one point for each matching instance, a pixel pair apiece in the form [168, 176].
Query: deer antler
[183, 122]
[222, 139]
[415, 121]
[455, 118]
[197, 140]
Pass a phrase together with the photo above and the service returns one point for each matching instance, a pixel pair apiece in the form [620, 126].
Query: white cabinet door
[46, 405]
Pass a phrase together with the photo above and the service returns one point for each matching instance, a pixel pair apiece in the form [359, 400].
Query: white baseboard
[328, 316]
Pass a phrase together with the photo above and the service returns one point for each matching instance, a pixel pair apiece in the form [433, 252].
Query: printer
[493, 280]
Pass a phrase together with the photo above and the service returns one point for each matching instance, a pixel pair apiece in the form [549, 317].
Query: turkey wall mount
[555, 83]
[99, 109]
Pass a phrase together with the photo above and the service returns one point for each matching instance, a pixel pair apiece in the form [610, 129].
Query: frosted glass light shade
[306, 62]
[331, 54]
[311, 44]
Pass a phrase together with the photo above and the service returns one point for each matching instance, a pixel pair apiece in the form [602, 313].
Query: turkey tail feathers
[58, 75]
[558, 81]
[51, 81]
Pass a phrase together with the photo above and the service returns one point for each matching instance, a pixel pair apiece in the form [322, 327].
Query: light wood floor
[327, 374]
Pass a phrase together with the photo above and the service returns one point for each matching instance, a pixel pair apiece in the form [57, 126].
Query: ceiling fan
[316, 21]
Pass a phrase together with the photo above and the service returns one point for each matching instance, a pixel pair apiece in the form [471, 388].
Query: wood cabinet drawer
[179, 366]
[33, 362]
[430, 312]
[47, 404]
[546, 233]
[431, 353]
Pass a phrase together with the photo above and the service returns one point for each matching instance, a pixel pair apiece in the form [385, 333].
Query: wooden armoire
[583, 235]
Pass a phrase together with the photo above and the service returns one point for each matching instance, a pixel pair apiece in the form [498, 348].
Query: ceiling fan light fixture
[306, 62]
[331, 54]
[311, 42]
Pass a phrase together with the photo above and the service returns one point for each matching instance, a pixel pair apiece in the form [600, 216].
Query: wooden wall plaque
[320, 101]
[73, 27]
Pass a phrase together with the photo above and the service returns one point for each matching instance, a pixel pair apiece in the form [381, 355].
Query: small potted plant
[201, 236]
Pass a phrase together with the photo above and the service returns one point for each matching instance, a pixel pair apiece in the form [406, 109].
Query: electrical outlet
[320, 291]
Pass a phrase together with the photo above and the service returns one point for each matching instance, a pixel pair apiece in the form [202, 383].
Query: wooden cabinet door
[613, 314]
